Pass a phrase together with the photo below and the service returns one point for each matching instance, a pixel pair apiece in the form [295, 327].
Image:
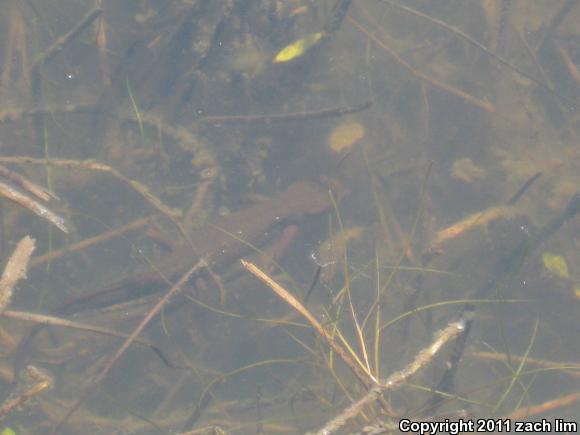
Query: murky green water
[174, 110]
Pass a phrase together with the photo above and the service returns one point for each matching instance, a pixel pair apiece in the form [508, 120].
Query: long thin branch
[42, 319]
[117, 355]
[65, 39]
[482, 104]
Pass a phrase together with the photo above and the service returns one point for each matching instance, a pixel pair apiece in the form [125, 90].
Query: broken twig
[42, 382]
[34, 206]
[424, 357]
[15, 270]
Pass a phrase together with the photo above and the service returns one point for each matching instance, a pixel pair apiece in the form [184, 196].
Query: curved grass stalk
[495, 356]
[377, 341]
[357, 326]
[346, 357]
[403, 251]
[507, 363]
[363, 364]
[517, 374]
[136, 111]
[302, 344]
[496, 383]
[206, 394]
[448, 303]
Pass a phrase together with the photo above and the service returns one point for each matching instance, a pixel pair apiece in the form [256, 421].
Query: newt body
[212, 243]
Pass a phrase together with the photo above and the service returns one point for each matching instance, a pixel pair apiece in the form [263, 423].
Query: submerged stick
[34, 206]
[482, 104]
[91, 241]
[447, 382]
[12, 115]
[136, 332]
[569, 368]
[397, 379]
[481, 47]
[42, 319]
[43, 382]
[65, 39]
[26, 184]
[93, 165]
[527, 411]
[15, 270]
[480, 219]
[286, 117]
[366, 378]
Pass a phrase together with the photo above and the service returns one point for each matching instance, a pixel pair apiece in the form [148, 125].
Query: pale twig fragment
[34, 206]
[476, 220]
[15, 270]
[42, 381]
[26, 184]
[93, 165]
[41, 319]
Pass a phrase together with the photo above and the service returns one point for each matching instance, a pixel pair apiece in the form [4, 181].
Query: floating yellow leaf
[576, 292]
[298, 48]
[555, 264]
[7, 431]
[345, 136]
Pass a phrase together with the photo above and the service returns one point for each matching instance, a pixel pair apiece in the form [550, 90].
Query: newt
[214, 243]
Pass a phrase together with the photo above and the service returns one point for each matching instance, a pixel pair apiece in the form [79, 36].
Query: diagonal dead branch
[34, 206]
[136, 332]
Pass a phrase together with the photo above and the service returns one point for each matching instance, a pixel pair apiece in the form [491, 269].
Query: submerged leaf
[298, 48]
[556, 264]
[345, 135]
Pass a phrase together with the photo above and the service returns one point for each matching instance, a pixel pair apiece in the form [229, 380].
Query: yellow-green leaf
[7, 431]
[556, 264]
[298, 48]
